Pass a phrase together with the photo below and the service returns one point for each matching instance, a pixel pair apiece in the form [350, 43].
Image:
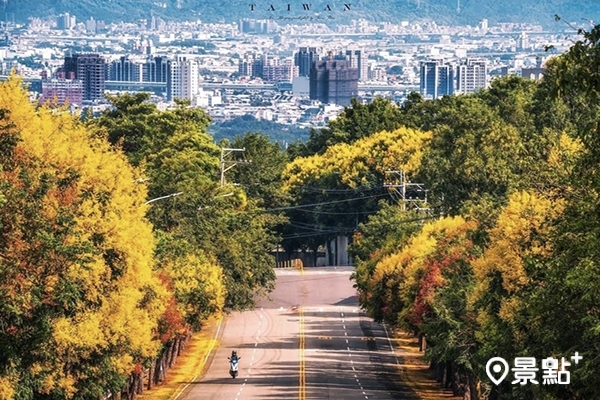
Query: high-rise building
[471, 75]
[62, 91]
[523, 42]
[304, 59]
[358, 60]
[437, 79]
[90, 25]
[155, 69]
[333, 81]
[89, 69]
[255, 26]
[280, 71]
[66, 21]
[245, 67]
[125, 70]
[258, 65]
[182, 79]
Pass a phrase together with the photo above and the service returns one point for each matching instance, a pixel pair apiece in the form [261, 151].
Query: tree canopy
[80, 300]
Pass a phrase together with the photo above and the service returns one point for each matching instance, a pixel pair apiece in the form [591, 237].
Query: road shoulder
[415, 372]
[191, 364]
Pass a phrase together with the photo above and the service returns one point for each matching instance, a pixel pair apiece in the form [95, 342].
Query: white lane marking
[391, 344]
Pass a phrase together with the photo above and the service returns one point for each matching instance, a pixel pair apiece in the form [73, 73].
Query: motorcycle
[233, 366]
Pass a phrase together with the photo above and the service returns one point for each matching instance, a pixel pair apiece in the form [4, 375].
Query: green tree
[261, 179]
[357, 121]
[179, 157]
[571, 274]
[472, 153]
[345, 183]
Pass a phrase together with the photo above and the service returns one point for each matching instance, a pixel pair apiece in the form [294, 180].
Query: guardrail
[293, 263]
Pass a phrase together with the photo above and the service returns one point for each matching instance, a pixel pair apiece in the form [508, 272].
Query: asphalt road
[308, 341]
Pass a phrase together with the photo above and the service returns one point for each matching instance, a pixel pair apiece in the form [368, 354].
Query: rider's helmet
[234, 353]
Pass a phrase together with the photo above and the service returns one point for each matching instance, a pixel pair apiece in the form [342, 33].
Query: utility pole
[225, 152]
[406, 191]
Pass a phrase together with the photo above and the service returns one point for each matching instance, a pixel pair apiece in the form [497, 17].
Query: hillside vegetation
[441, 11]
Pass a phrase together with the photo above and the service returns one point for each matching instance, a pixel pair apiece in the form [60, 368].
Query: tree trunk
[182, 344]
[496, 393]
[139, 383]
[422, 342]
[171, 353]
[473, 385]
[456, 390]
[174, 350]
[448, 375]
[440, 368]
[151, 373]
[159, 369]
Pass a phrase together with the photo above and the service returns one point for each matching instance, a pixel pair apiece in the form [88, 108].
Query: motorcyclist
[233, 360]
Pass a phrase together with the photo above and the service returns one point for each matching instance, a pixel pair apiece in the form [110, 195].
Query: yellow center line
[302, 374]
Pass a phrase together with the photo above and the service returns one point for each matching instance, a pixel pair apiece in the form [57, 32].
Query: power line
[324, 203]
[340, 213]
[302, 235]
[341, 230]
[324, 190]
[318, 228]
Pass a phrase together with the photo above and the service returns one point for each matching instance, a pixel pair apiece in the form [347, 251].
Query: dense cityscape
[299, 75]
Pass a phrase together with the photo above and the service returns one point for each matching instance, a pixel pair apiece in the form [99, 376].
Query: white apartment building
[182, 79]
[471, 75]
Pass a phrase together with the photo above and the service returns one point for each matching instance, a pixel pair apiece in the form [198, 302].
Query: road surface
[309, 341]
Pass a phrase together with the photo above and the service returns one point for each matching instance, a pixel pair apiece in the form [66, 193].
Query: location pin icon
[493, 368]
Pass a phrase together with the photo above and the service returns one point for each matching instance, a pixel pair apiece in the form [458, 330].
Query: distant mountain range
[447, 12]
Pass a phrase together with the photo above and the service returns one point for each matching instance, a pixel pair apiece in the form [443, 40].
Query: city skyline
[262, 68]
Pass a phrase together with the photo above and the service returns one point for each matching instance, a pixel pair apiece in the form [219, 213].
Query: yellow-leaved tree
[346, 182]
[509, 269]
[79, 301]
[360, 162]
